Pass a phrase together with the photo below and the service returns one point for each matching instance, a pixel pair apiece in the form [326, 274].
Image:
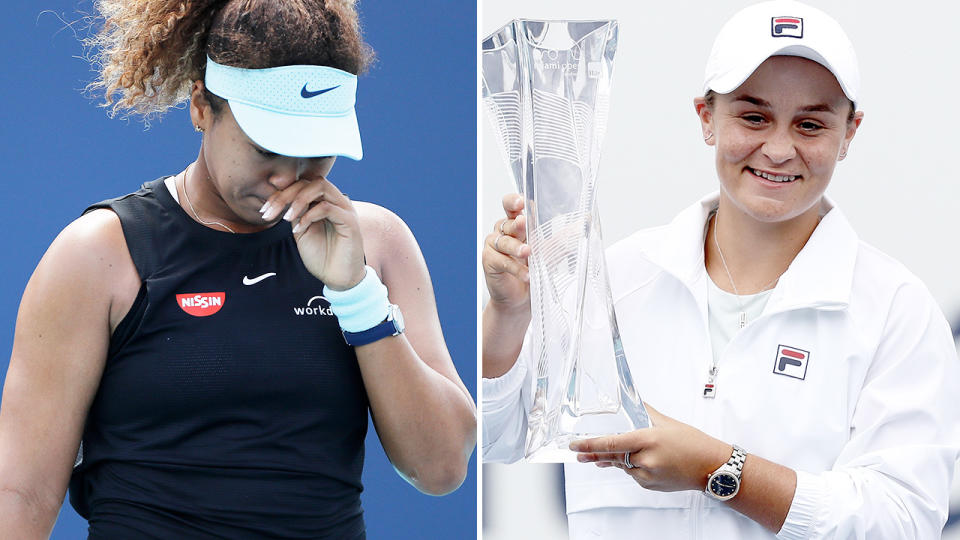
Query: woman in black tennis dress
[233, 322]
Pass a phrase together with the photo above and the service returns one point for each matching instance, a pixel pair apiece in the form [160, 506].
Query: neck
[756, 253]
[207, 201]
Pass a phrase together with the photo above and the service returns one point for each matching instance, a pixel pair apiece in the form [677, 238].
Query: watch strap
[389, 327]
[737, 458]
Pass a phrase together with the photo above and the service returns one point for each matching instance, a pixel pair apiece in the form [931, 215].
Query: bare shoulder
[91, 256]
[379, 221]
[59, 355]
[385, 235]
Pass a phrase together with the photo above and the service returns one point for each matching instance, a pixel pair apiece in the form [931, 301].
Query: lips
[779, 178]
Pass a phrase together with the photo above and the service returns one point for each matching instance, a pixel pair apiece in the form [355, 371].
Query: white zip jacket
[869, 418]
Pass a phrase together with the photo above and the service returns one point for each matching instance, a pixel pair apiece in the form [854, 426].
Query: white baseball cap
[299, 111]
[780, 27]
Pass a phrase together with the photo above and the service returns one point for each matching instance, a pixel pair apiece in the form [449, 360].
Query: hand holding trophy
[546, 85]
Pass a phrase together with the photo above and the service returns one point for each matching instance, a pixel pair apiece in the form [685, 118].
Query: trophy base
[547, 445]
[555, 451]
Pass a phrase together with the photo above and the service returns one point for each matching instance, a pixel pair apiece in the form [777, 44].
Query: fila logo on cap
[786, 27]
[201, 304]
[791, 362]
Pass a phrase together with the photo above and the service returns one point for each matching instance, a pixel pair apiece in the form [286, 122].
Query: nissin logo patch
[786, 27]
[201, 304]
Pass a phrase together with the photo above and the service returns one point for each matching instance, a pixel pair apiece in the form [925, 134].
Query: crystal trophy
[546, 87]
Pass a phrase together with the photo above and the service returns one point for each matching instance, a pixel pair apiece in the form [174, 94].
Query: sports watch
[391, 326]
[724, 483]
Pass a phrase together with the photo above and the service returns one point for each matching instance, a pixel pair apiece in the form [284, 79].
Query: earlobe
[706, 117]
[199, 107]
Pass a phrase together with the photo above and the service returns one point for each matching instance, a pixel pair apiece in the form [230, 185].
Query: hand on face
[505, 255]
[670, 456]
[326, 228]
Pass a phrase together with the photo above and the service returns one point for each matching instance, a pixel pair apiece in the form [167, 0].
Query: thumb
[655, 416]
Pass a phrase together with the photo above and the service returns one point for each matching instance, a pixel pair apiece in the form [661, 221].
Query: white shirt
[864, 408]
[724, 310]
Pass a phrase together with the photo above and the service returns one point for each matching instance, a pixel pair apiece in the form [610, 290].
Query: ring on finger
[626, 460]
[502, 223]
[496, 242]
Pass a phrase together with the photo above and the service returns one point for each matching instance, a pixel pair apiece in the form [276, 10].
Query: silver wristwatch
[724, 483]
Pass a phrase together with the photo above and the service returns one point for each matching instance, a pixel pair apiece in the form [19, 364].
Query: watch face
[724, 484]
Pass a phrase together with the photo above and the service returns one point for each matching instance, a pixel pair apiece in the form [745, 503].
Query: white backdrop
[899, 186]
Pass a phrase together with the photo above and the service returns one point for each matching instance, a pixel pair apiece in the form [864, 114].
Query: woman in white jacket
[759, 320]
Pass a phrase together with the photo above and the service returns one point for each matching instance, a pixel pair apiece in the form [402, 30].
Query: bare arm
[507, 315]
[60, 344]
[424, 415]
[673, 456]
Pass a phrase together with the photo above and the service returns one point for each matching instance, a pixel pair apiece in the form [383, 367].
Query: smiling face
[242, 175]
[778, 137]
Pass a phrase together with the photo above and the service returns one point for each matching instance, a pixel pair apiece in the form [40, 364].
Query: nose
[779, 146]
[285, 173]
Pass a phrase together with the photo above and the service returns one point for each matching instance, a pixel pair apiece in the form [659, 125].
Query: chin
[766, 210]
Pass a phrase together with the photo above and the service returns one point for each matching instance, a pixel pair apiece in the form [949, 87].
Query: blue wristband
[362, 306]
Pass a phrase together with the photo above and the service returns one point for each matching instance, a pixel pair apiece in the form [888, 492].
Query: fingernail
[272, 212]
[296, 228]
[264, 207]
[582, 458]
[289, 215]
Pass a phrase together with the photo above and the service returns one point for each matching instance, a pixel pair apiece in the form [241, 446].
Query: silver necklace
[710, 387]
[723, 261]
[194, 210]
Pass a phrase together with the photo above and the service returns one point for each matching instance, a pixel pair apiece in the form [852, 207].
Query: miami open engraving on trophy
[546, 86]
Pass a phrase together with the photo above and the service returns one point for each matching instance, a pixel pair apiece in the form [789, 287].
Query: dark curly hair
[149, 52]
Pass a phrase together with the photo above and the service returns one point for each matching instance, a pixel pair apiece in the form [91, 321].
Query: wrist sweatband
[362, 306]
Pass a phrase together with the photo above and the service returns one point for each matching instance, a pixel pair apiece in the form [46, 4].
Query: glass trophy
[546, 87]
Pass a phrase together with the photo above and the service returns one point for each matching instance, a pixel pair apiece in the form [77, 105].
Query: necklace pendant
[743, 319]
[710, 388]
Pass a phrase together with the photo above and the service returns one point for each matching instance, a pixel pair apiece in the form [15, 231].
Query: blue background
[418, 121]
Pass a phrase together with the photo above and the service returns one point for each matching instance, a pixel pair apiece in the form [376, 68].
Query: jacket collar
[820, 276]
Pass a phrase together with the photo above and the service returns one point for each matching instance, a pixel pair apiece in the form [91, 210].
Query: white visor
[297, 111]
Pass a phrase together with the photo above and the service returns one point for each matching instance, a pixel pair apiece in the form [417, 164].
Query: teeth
[774, 177]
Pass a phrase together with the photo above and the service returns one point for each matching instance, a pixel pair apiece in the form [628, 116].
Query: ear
[848, 136]
[706, 120]
[201, 115]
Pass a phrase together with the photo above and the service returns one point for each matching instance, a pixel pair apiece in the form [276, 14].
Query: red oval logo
[201, 304]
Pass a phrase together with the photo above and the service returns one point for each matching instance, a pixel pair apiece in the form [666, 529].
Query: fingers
[515, 227]
[502, 254]
[342, 219]
[293, 201]
[607, 444]
[505, 248]
[512, 205]
[508, 244]
[633, 441]
[600, 457]
[279, 201]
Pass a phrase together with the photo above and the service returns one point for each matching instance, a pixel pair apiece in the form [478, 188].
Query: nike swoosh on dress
[258, 279]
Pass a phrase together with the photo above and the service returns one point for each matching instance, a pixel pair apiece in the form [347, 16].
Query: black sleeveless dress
[230, 406]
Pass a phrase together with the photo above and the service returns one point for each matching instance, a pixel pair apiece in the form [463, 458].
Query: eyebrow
[820, 107]
[753, 101]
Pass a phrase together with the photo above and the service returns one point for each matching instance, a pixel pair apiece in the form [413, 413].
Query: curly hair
[149, 52]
